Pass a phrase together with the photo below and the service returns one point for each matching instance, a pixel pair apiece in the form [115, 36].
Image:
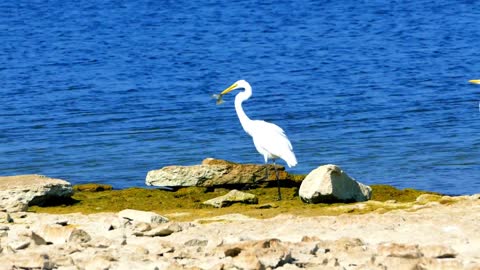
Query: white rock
[328, 183]
[17, 192]
[142, 216]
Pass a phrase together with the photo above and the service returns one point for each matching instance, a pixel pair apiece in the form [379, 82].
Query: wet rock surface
[435, 236]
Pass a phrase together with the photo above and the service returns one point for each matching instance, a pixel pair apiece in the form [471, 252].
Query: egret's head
[236, 85]
[474, 81]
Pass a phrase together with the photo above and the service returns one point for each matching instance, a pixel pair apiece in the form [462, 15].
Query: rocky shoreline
[428, 235]
[47, 223]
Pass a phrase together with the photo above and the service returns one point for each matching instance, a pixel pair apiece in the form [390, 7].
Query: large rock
[328, 183]
[18, 192]
[234, 196]
[212, 172]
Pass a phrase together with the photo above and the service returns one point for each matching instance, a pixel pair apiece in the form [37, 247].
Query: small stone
[5, 217]
[426, 198]
[438, 251]
[447, 264]
[142, 216]
[19, 244]
[141, 227]
[159, 231]
[62, 222]
[475, 197]
[79, 236]
[262, 254]
[19, 215]
[396, 263]
[196, 243]
[32, 261]
[99, 262]
[101, 242]
[234, 196]
[267, 206]
[399, 250]
[37, 239]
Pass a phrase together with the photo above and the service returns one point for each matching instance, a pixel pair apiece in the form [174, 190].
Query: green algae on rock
[92, 187]
[188, 202]
[385, 192]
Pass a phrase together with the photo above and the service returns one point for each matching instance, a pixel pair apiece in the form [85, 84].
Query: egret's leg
[278, 181]
[266, 172]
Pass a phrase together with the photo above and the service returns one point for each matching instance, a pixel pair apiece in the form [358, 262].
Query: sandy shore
[425, 236]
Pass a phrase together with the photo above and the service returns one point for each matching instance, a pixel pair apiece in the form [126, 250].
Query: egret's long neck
[239, 99]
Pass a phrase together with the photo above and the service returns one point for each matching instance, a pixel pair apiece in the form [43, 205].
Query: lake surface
[105, 91]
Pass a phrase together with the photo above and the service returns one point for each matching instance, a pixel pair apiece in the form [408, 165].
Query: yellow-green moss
[186, 203]
[92, 187]
[384, 193]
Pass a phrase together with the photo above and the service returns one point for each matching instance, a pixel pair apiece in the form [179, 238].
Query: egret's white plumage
[269, 139]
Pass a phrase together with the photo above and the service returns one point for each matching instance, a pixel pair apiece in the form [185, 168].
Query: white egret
[269, 139]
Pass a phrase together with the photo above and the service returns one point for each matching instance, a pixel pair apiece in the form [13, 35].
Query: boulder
[18, 192]
[213, 172]
[328, 183]
[234, 196]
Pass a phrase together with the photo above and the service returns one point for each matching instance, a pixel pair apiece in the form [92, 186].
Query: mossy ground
[186, 203]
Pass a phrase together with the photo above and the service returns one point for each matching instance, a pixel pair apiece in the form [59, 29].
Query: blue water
[105, 91]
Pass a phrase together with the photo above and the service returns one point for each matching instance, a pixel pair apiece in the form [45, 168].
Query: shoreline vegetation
[186, 204]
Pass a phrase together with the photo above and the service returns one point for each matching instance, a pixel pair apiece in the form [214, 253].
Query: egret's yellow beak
[233, 86]
[474, 81]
